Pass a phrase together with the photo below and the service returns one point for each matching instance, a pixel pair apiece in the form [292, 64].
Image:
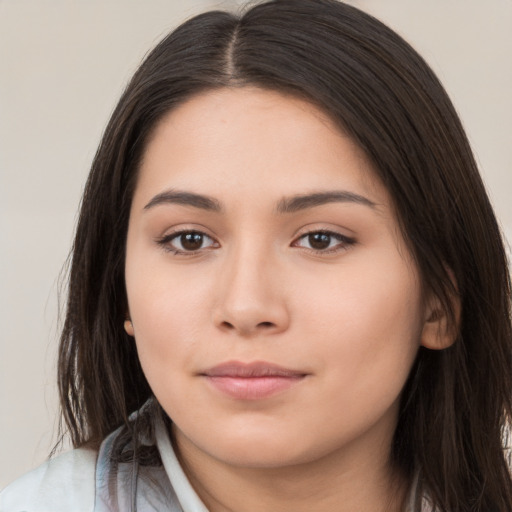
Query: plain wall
[63, 65]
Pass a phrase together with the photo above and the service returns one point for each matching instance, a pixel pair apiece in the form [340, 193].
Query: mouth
[251, 381]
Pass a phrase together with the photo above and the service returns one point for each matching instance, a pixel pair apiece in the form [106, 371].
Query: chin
[262, 450]
[252, 454]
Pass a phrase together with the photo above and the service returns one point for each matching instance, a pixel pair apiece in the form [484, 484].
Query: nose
[251, 299]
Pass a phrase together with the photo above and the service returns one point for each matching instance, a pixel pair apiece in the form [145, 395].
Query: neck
[345, 482]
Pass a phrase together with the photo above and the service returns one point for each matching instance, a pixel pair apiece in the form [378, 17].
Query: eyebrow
[185, 199]
[285, 205]
[303, 202]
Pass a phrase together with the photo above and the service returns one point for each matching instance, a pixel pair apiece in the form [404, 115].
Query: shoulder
[63, 484]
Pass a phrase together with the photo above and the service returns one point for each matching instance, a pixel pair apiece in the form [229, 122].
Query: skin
[350, 316]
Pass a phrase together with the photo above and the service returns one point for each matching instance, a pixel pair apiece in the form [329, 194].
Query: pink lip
[251, 381]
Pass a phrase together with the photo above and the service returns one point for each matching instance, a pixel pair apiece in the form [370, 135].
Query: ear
[128, 327]
[439, 332]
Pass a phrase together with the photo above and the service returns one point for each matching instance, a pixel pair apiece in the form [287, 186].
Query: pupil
[191, 241]
[319, 240]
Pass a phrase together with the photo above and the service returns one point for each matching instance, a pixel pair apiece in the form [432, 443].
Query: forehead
[257, 141]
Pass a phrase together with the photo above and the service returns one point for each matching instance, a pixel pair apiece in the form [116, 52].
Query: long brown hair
[456, 402]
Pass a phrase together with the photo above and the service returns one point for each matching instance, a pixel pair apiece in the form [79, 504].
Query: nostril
[227, 325]
[265, 324]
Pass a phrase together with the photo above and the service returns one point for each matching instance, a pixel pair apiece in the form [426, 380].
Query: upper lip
[252, 369]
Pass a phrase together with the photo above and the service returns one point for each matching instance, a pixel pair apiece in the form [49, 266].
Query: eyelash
[344, 242]
[166, 242]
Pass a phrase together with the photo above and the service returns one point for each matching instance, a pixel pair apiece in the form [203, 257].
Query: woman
[288, 288]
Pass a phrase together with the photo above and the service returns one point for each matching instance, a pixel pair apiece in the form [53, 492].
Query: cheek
[367, 324]
[169, 310]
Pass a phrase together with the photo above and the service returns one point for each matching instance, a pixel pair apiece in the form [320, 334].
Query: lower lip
[253, 388]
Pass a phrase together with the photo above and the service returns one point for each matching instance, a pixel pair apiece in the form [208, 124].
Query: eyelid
[165, 240]
[344, 241]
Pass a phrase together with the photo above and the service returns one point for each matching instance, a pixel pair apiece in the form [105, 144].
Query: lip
[251, 381]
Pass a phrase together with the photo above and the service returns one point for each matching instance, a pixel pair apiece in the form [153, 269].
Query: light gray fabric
[123, 487]
[63, 484]
[84, 480]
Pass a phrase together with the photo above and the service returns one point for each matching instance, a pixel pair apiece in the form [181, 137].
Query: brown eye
[191, 241]
[319, 241]
[324, 241]
[187, 242]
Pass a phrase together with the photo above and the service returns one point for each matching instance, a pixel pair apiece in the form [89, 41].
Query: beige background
[62, 67]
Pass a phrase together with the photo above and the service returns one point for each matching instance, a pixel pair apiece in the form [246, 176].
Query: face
[275, 307]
